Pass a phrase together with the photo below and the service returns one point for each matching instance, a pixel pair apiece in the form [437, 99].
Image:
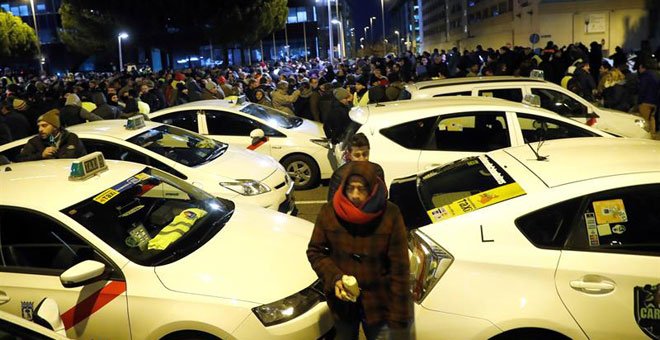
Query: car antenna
[538, 148]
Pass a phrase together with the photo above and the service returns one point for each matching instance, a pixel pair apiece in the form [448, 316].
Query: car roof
[428, 84]
[606, 157]
[201, 105]
[110, 128]
[398, 111]
[45, 184]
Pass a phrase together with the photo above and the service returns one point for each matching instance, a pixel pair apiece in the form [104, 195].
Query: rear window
[465, 186]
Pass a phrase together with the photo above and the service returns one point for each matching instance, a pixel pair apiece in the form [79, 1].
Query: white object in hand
[351, 286]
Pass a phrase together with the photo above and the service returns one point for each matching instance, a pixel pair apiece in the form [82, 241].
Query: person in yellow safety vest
[361, 96]
[567, 77]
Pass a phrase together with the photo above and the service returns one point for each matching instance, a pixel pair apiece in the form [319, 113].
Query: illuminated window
[5, 7]
[302, 14]
[24, 10]
[41, 8]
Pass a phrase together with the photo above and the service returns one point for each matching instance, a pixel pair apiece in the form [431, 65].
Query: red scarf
[347, 211]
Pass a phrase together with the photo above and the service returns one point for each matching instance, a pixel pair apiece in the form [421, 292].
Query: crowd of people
[325, 91]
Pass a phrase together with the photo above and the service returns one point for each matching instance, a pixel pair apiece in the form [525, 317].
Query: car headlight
[324, 142]
[642, 123]
[246, 187]
[428, 262]
[291, 306]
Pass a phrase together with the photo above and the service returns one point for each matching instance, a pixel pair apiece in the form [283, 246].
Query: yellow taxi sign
[87, 166]
[135, 122]
[476, 201]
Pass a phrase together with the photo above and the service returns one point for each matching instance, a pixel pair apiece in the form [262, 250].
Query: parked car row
[522, 225]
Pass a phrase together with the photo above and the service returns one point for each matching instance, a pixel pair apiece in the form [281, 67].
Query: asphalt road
[309, 202]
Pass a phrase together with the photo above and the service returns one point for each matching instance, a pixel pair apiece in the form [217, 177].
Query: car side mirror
[83, 273]
[257, 135]
[47, 314]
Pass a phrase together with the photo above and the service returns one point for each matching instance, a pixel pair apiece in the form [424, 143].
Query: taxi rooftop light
[537, 74]
[87, 166]
[135, 122]
[532, 100]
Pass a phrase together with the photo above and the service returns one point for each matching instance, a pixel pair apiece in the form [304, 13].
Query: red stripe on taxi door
[255, 146]
[93, 303]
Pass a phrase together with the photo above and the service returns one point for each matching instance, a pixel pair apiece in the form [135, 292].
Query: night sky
[362, 10]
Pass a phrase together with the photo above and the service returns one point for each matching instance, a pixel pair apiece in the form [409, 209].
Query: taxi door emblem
[27, 307]
[647, 309]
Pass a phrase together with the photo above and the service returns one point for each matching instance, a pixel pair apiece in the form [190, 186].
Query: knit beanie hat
[19, 104]
[73, 99]
[341, 93]
[51, 117]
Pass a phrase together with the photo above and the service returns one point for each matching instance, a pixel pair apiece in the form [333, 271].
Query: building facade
[405, 16]
[495, 23]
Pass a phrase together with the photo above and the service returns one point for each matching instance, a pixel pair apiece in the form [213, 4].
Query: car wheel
[303, 171]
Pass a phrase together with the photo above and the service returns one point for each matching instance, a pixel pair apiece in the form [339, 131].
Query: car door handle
[592, 287]
[276, 147]
[4, 298]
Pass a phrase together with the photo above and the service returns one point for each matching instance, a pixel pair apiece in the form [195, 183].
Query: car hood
[620, 123]
[237, 163]
[259, 256]
[310, 127]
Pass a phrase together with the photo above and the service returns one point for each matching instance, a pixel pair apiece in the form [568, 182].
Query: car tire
[303, 171]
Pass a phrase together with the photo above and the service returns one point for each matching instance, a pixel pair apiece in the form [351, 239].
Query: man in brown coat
[361, 234]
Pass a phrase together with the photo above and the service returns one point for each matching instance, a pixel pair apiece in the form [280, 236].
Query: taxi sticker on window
[486, 94]
[475, 202]
[142, 176]
[647, 309]
[604, 229]
[105, 196]
[592, 229]
[610, 211]
[619, 229]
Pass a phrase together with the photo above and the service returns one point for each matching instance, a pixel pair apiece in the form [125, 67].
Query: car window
[183, 119]
[450, 94]
[12, 154]
[152, 218]
[624, 220]
[465, 186]
[512, 94]
[181, 146]
[11, 331]
[272, 116]
[536, 128]
[229, 124]
[471, 131]
[121, 153]
[411, 135]
[31, 242]
[560, 103]
[549, 227]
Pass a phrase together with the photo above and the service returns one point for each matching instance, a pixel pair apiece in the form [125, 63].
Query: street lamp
[365, 31]
[122, 35]
[371, 25]
[36, 31]
[398, 42]
[341, 32]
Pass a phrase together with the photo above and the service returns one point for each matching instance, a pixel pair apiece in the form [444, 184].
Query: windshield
[180, 145]
[153, 218]
[272, 116]
[464, 186]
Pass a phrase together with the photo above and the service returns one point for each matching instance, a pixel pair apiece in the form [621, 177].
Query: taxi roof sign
[532, 100]
[135, 122]
[537, 74]
[87, 166]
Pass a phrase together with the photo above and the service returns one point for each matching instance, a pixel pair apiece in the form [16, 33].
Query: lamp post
[382, 14]
[398, 42]
[341, 38]
[365, 31]
[371, 25]
[36, 31]
[121, 36]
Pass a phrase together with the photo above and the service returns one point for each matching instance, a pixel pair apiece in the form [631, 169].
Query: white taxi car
[131, 252]
[407, 137]
[553, 97]
[538, 242]
[218, 168]
[299, 144]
